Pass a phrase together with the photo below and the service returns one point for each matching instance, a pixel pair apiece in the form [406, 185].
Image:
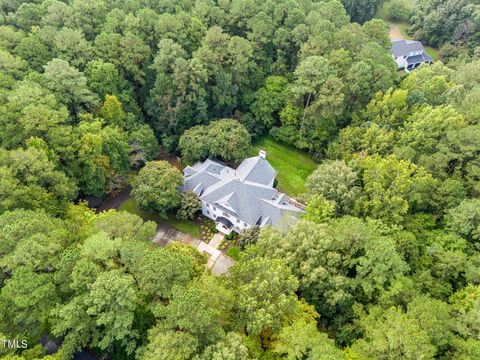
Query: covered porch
[224, 225]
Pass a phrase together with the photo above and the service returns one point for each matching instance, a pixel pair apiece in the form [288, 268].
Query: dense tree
[319, 209]
[335, 181]
[156, 187]
[88, 89]
[226, 139]
[465, 219]
[392, 188]
[362, 10]
[69, 85]
[29, 110]
[189, 206]
[392, 334]
[266, 297]
[334, 282]
[249, 236]
[438, 22]
[270, 99]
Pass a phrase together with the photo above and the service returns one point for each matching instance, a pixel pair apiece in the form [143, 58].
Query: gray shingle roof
[405, 47]
[248, 195]
[256, 169]
[245, 193]
[418, 59]
[199, 181]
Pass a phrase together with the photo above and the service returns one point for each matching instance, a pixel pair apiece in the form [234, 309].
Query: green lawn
[293, 166]
[233, 252]
[186, 226]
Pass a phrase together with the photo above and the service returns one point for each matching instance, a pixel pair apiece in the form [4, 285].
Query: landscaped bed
[293, 166]
[207, 228]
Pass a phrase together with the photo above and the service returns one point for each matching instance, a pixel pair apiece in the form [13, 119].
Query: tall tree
[156, 187]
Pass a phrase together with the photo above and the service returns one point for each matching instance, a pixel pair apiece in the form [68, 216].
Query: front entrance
[224, 225]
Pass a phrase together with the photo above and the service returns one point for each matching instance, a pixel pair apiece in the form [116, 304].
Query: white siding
[212, 211]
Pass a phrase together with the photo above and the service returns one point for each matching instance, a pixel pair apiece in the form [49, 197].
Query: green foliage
[395, 334]
[145, 143]
[337, 182]
[249, 236]
[226, 139]
[465, 219]
[436, 23]
[397, 10]
[265, 288]
[340, 277]
[156, 187]
[361, 10]
[87, 89]
[319, 209]
[189, 205]
[392, 188]
[233, 252]
[270, 99]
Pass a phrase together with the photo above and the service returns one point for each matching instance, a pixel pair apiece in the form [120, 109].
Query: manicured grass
[432, 52]
[293, 166]
[233, 252]
[186, 226]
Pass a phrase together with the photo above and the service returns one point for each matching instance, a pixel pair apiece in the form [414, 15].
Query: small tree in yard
[249, 236]
[190, 204]
[156, 187]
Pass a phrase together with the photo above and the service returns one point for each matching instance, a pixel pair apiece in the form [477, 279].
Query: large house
[239, 199]
[409, 54]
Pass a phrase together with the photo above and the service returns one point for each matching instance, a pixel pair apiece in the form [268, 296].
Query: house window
[208, 212]
[405, 56]
[207, 205]
[226, 215]
[238, 221]
[214, 208]
[245, 225]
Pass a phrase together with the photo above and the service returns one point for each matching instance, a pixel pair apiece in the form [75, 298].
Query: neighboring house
[238, 199]
[409, 54]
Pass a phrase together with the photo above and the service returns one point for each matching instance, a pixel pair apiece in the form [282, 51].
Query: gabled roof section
[199, 182]
[229, 202]
[278, 214]
[245, 202]
[405, 47]
[418, 59]
[256, 169]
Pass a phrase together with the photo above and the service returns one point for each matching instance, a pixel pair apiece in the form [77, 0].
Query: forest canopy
[96, 95]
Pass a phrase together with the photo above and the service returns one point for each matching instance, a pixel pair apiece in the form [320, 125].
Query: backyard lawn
[293, 166]
[186, 226]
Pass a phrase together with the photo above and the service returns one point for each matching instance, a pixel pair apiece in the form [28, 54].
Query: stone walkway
[218, 262]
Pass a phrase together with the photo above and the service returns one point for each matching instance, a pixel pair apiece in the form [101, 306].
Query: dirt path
[115, 202]
[172, 159]
[394, 31]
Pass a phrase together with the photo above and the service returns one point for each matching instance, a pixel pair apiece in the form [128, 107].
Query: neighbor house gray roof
[245, 193]
[405, 47]
[418, 59]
